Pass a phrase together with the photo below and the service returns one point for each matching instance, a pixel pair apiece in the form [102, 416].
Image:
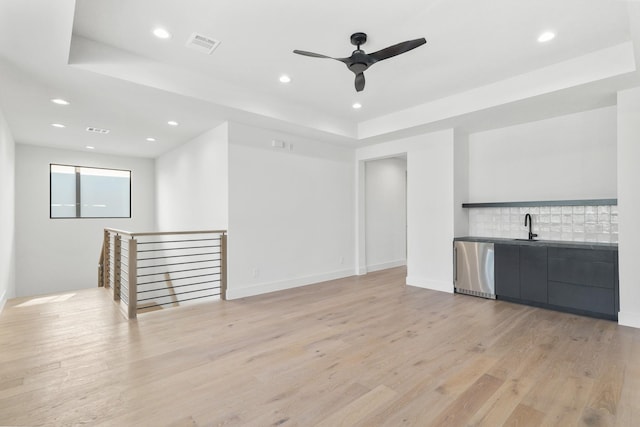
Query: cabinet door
[507, 260]
[533, 273]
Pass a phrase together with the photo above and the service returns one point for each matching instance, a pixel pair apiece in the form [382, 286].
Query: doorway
[385, 211]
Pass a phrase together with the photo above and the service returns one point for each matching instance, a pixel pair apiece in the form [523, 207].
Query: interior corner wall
[192, 184]
[7, 213]
[386, 213]
[561, 158]
[430, 205]
[291, 211]
[629, 206]
[60, 255]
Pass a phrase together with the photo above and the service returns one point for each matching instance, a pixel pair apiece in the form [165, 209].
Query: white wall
[629, 205]
[431, 213]
[430, 205]
[291, 211]
[7, 211]
[56, 255]
[460, 183]
[386, 213]
[566, 157]
[192, 184]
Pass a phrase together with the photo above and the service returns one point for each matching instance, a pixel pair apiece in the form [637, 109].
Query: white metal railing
[151, 270]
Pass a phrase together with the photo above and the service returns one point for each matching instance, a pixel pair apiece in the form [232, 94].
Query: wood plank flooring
[362, 351]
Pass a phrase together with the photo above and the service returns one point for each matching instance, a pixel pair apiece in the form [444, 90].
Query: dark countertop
[549, 243]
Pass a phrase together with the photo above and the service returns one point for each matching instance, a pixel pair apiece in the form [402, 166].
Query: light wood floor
[363, 351]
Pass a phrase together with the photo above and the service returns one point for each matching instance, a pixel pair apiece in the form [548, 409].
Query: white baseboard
[263, 288]
[385, 265]
[434, 285]
[629, 318]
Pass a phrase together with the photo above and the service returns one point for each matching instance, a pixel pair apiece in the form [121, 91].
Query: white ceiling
[481, 57]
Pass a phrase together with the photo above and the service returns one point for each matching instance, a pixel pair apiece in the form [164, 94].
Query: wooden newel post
[117, 266]
[223, 266]
[100, 268]
[106, 261]
[133, 278]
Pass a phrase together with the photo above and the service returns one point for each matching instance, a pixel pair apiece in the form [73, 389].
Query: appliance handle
[455, 263]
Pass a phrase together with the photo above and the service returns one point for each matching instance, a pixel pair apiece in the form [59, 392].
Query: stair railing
[153, 270]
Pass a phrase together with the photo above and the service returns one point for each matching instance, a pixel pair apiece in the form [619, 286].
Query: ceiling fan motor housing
[360, 61]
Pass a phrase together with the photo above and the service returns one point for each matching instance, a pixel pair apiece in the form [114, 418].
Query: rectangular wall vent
[97, 130]
[202, 43]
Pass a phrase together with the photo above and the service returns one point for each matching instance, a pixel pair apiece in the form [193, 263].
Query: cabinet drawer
[582, 272]
[582, 254]
[597, 300]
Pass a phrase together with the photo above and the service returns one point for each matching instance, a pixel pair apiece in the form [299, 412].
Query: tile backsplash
[569, 223]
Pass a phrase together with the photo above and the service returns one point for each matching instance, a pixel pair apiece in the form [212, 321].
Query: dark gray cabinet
[584, 298]
[583, 281]
[521, 272]
[588, 267]
[507, 270]
[533, 273]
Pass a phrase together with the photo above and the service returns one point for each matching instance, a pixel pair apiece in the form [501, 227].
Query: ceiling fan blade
[397, 49]
[313, 55]
[359, 82]
[317, 55]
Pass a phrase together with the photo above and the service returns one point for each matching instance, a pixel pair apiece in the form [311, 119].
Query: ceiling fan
[359, 61]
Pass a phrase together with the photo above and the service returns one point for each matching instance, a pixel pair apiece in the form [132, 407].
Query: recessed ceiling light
[151, 139]
[546, 36]
[285, 79]
[161, 33]
[172, 123]
[89, 147]
[357, 106]
[60, 101]
[57, 125]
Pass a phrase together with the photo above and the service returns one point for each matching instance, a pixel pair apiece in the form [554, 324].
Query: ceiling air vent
[202, 43]
[97, 130]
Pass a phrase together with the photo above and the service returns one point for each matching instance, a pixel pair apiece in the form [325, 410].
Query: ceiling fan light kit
[359, 60]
